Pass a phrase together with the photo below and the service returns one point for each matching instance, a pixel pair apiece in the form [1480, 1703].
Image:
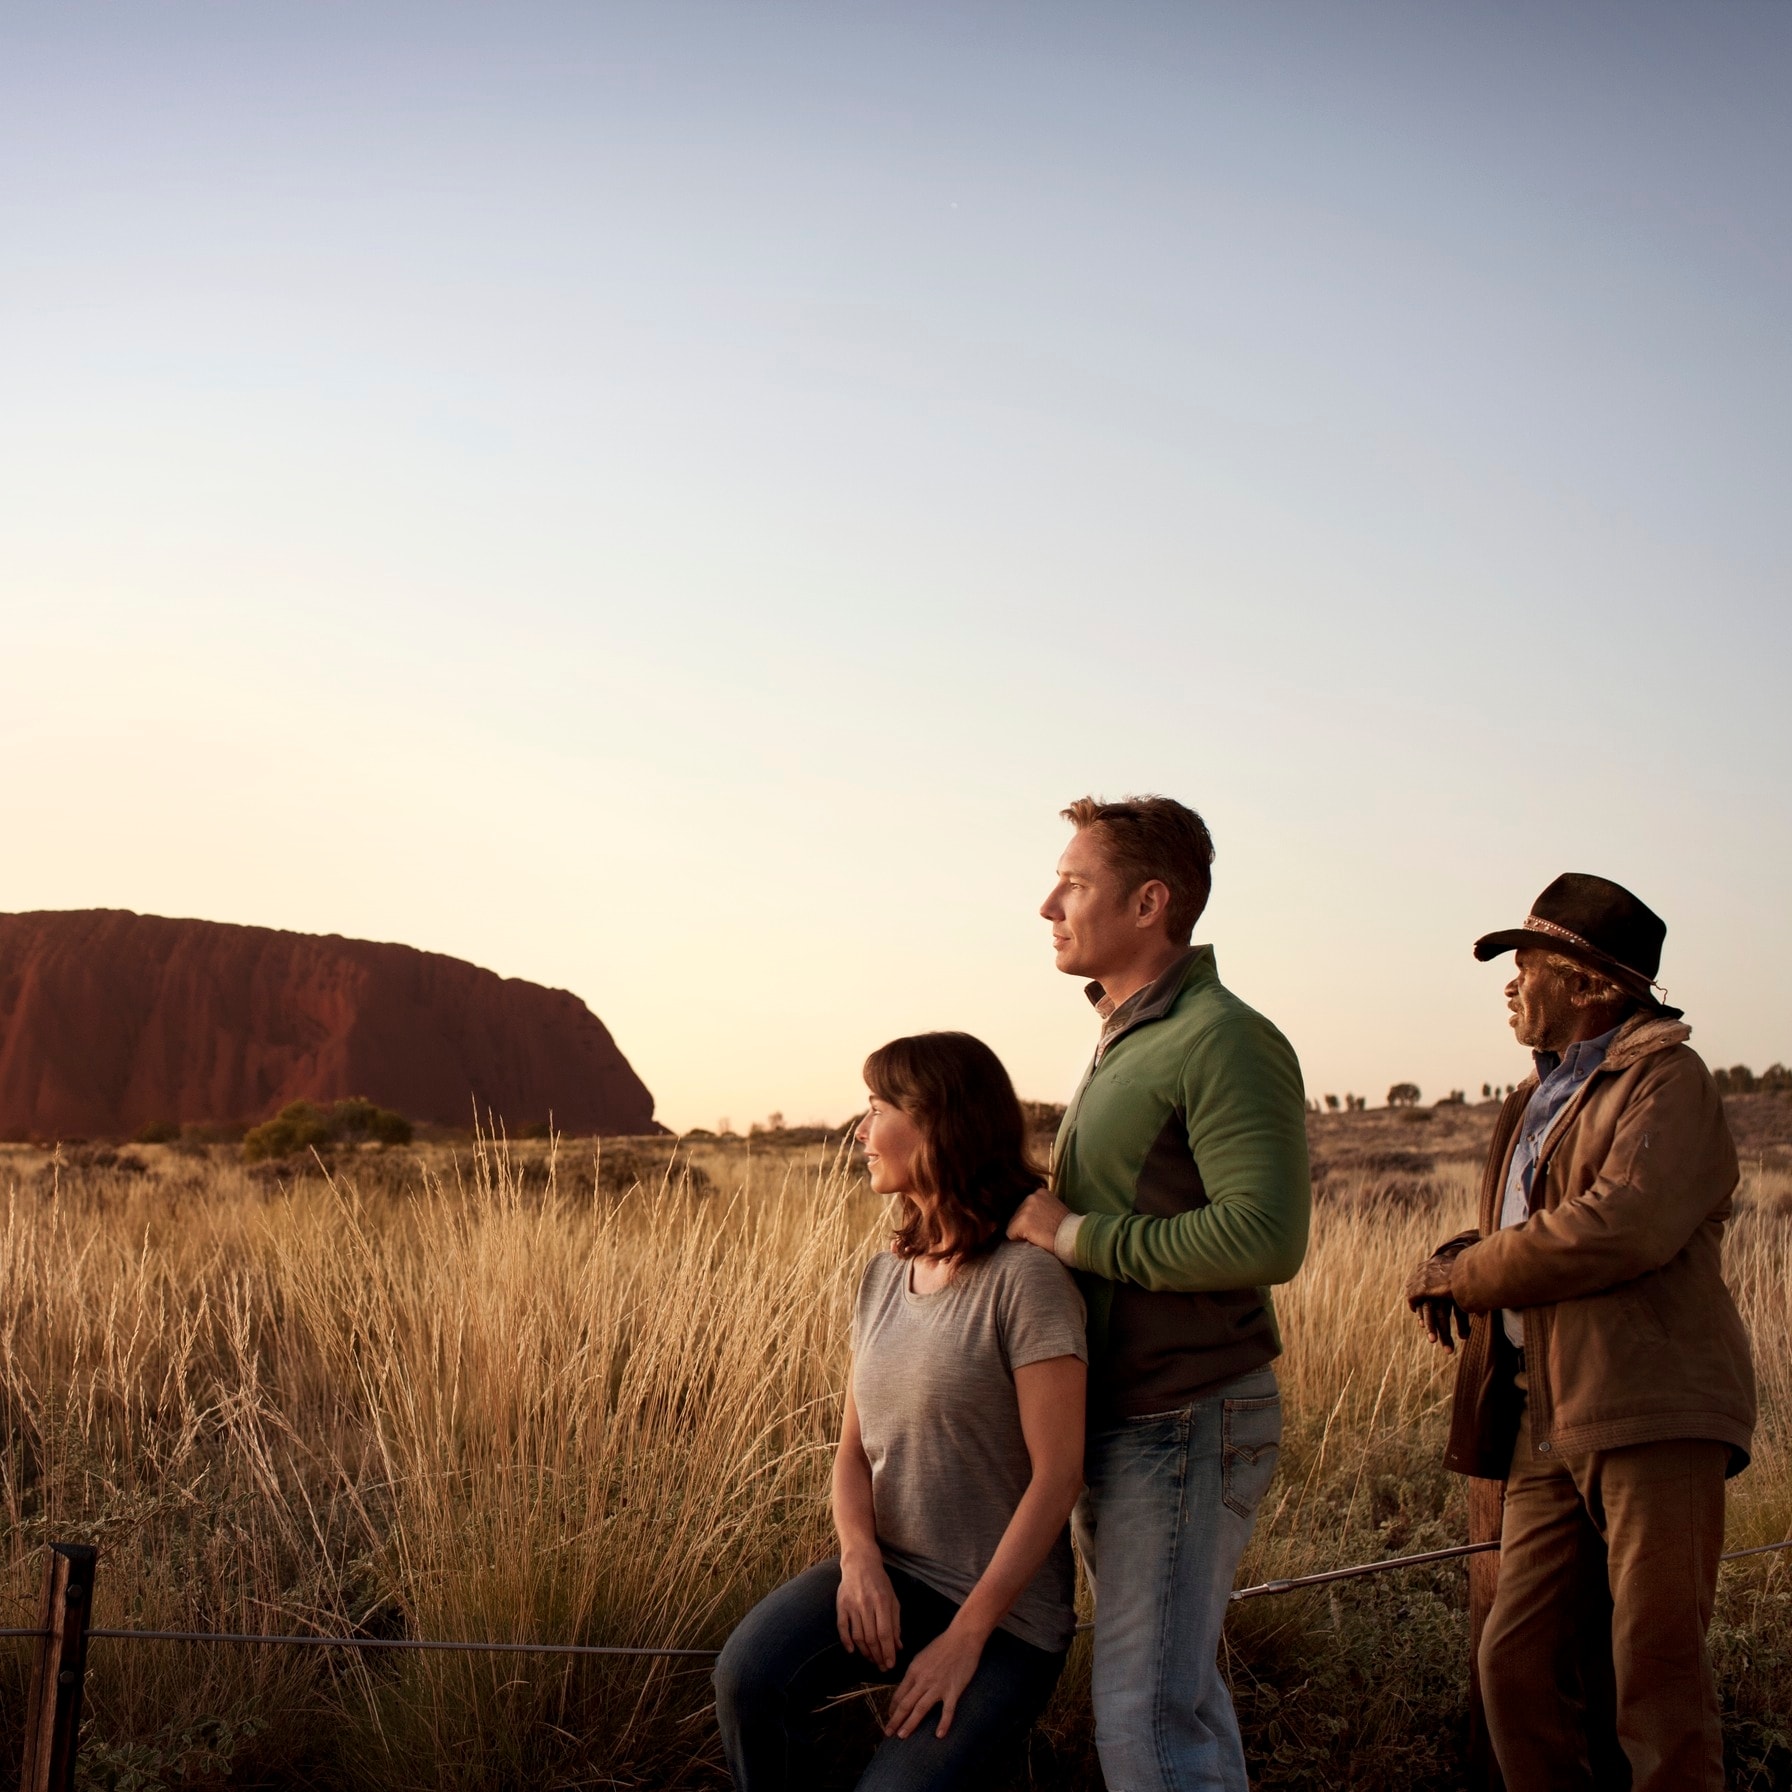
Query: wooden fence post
[53, 1712]
[1486, 1509]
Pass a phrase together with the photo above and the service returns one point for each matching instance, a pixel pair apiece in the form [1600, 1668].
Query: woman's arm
[1051, 1395]
[869, 1618]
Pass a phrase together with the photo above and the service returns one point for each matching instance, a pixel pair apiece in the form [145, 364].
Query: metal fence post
[53, 1712]
[1486, 1511]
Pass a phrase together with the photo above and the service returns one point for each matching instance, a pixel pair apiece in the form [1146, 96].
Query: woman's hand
[866, 1611]
[937, 1676]
[865, 1608]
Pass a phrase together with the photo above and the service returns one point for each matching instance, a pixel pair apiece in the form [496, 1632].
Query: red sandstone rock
[111, 1021]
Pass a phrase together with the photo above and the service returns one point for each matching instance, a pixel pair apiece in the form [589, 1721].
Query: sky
[669, 501]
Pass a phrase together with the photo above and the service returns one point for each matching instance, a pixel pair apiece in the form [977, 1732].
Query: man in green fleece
[1179, 1194]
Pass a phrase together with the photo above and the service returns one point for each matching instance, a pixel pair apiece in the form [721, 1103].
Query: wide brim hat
[1599, 924]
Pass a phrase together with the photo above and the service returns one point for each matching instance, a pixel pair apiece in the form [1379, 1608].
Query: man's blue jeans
[1169, 1508]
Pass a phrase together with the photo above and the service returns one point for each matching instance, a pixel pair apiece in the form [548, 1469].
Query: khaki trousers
[1593, 1662]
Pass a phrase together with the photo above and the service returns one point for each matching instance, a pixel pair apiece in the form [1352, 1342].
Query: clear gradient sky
[669, 500]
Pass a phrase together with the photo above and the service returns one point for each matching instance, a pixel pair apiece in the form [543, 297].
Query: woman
[961, 1455]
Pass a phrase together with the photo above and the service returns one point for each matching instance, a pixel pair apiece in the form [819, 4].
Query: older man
[1606, 1375]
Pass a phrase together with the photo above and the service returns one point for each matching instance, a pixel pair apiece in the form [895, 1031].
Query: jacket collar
[1640, 1037]
[1157, 998]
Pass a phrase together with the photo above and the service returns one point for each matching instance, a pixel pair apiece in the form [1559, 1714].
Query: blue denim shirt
[1559, 1080]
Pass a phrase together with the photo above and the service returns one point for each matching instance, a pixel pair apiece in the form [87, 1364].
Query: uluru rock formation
[112, 1021]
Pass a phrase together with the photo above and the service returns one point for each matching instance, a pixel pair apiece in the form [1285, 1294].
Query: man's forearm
[1240, 1243]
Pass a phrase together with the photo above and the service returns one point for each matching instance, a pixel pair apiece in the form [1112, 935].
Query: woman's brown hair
[973, 1160]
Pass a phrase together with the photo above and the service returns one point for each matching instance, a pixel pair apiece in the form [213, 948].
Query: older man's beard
[1546, 1019]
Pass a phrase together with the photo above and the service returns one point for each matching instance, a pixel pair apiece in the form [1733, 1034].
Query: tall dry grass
[499, 1404]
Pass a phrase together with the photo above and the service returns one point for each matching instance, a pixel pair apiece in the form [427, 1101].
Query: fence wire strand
[1262, 1590]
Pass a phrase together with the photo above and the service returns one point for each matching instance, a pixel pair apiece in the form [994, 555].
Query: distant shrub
[1776, 1079]
[623, 1164]
[304, 1126]
[1455, 1099]
[813, 1134]
[78, 1157]
[1403, 1095]
[1740, 1080]
[157, 1132]
[297, 1127]
[210, 1132]
[1396, 1180]
[358, 1121]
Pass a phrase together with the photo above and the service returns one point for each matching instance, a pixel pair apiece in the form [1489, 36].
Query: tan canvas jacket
[1630, 1334]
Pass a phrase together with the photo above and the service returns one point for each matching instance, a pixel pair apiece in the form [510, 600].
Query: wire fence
[299, 1639]
[53, 1708]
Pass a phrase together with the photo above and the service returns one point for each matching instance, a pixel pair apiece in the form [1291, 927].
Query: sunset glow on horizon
[670, 502]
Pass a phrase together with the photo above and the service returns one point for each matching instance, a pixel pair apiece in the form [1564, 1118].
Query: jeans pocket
[1251, 1442]
[1176, 1418]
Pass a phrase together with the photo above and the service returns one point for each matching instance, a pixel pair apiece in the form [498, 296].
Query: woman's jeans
[785, 1660]
[1169, 1508]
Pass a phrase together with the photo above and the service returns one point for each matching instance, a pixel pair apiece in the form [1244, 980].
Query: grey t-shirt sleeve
[1041, 1309]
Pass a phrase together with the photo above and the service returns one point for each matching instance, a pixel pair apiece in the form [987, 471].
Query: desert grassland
[490, 1395]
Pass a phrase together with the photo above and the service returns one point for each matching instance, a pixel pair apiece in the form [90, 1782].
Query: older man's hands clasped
[1428, 1293]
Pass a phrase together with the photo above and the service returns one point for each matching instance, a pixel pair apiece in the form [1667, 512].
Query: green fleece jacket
[1185, 1149]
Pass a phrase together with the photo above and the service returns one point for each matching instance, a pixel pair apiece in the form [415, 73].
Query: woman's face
[892, 1143]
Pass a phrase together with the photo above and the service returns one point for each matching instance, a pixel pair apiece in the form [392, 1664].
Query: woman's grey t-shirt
[933, 1376]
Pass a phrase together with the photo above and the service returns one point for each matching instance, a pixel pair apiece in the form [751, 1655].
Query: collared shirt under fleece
[1183, 1160]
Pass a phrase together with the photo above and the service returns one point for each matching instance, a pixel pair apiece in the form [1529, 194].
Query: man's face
[1094, 916]
[1544, 1015]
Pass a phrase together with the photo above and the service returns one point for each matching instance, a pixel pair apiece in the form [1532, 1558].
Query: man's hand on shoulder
[1037, 1219]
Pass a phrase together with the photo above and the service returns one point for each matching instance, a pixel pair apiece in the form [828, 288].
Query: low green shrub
[304, 1126]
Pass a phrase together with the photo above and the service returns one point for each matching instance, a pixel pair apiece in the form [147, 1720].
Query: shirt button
[1543, 1448]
